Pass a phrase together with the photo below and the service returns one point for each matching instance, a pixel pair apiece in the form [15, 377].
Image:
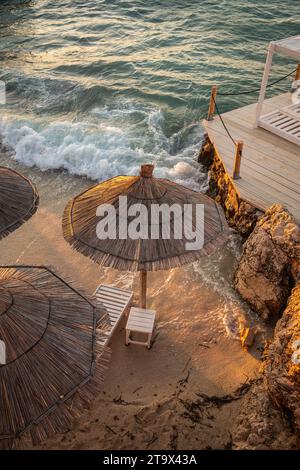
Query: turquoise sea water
[97, 87]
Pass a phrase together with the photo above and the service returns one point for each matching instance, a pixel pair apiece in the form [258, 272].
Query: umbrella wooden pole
[143, 288]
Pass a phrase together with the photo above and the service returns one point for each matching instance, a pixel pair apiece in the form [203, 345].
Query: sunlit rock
[282, 366]
[270, 262]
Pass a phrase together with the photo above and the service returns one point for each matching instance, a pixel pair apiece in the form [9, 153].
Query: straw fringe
[73, 319]
[79, 225]
[19, 200]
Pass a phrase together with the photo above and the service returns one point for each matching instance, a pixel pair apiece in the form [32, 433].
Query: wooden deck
[270, 168]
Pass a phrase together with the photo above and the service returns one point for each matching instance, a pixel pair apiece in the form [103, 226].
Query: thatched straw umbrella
[80, 225]
[18, 200]
[54, 362]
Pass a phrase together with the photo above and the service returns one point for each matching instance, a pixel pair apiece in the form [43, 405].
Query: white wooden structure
[270, 165]
[116, 301]
[2, 353]
[284, 122]
[142, 321]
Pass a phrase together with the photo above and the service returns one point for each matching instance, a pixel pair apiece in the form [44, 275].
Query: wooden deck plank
[269, 186]
[264, 148]
[261, 195]
[243, 120]
[270, 168]
[252, 158]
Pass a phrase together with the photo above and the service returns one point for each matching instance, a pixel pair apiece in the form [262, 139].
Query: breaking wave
[105, 142]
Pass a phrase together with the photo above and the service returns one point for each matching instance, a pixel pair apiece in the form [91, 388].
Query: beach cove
[150, 399]
[93, 92]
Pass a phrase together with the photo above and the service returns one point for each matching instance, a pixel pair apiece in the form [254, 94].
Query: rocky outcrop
[270, 415]
[241, 215]
[207, 153]
[284, 231]
[282, 365]
[260, 425]
[267, 272]
[270, 262]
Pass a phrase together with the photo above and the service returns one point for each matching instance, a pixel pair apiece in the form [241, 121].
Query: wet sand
[163, 398]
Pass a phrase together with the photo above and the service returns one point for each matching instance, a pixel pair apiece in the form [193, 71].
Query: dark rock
[206, 154]
[241, 215]
[281, 371]
[270, 262]
[260, 425]
[270, 415]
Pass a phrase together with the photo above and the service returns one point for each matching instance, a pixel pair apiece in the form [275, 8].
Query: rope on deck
[248, 92]
[224, 125]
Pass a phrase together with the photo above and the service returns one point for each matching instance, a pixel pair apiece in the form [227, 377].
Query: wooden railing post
[211, 109]
[143, 289]
[297, 76]
[237, 161]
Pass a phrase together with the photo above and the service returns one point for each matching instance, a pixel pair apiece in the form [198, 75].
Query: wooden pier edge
[269, 168]
[230, 176]
[240, 214]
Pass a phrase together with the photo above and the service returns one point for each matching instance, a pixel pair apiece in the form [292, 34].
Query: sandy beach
[181, 91]
[186, 391]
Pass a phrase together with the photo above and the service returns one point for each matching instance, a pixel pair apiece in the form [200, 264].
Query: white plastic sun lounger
[116, 301]
[284, 122]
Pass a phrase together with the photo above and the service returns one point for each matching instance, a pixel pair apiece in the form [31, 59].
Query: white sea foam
[182, 170]
[105, 143]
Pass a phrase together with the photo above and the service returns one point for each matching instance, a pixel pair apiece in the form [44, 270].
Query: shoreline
[198, 377]
[267, 278]
[191, 345]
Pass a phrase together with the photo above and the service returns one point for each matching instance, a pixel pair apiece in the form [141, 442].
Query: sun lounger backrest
[116, 301]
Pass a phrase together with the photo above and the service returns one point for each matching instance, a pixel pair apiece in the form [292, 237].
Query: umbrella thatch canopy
[80, 224]
[18, 200]
[53, 362]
